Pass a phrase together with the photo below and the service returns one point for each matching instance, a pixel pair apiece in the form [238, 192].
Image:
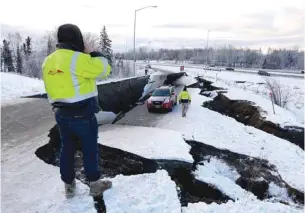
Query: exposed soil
[256, 174]
[246, 113]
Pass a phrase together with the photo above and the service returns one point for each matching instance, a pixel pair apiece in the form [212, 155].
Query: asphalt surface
[248, 71]
[139, 116]
[25, 121]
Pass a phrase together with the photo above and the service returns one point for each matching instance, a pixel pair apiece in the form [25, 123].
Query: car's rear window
[161, 92]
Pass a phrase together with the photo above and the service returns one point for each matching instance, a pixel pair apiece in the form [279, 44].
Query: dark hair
[184, 89]
[69, 35]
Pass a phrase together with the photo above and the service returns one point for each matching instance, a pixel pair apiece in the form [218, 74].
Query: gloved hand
[99, 54]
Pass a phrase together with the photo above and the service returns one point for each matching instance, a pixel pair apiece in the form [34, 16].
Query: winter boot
[98, 187]
[69, 189]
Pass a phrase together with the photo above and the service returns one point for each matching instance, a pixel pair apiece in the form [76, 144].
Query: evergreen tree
[265, 64]
[49, 46]
[1, 59]
[28, 47]
[105, 45]
[7, 57]
[19, 61]
[24, 48]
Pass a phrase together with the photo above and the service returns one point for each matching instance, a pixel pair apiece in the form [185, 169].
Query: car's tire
[172, 105]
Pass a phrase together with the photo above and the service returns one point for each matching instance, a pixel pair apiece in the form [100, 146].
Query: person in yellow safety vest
[69, 76]
[185, 100]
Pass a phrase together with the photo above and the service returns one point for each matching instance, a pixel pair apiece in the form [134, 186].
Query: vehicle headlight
[166, 101]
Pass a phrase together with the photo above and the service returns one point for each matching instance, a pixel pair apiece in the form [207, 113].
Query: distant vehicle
[162, 98]
[229, 68]
[212, 65]
[302, 71]
[212, 68]
[262, 72]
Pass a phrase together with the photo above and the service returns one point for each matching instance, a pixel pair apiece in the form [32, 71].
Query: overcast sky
[174, 24]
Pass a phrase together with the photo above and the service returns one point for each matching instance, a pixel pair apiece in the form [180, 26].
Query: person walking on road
[185, 100]
[69, 76]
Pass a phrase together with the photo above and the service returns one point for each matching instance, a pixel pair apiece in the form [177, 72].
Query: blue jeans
[86, 130]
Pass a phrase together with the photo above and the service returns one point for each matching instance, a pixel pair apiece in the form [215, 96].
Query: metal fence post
[271, 96]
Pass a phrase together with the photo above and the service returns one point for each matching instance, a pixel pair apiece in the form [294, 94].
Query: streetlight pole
[148, 43]
[134, 36]
[208, 46]
[148, 50]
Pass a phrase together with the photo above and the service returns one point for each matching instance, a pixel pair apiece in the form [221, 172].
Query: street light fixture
[134, 35]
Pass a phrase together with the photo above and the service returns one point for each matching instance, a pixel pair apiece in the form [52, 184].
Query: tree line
[226, 56]
[20, 56]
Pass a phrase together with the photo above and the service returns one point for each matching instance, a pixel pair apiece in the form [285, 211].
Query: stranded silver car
[162, 98]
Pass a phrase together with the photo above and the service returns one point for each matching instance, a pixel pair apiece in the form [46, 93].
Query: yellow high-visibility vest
[184, 95]
[70, 76]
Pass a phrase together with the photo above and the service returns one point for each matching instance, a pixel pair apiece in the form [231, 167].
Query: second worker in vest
[184, 100]
[70, 75]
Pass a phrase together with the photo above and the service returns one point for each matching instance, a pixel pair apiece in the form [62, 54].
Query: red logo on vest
[54, 72]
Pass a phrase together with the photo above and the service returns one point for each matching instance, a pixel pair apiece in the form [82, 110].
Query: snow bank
[212, 128]
[220, 175]
[144, 193]
[278, 192]
[241, 206]
[104, 117]
[186, 80]
[153, 143]
[13, 86]
[30, 185]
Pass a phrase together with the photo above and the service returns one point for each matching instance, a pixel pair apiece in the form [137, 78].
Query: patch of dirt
[258, 187]
[246, 113]
[256, 174]
[206, 85]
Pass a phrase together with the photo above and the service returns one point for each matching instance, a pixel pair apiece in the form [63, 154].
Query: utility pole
[208, 47]
[134, 36]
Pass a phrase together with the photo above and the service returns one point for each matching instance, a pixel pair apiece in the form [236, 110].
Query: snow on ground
[278, 192]
[256, 84]
[153, 193]
[104, 117]
[240, 206]
[212, 128]
[217, 173]
[152, 143]
[13, 86]
[294, 86]
[30, 185]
